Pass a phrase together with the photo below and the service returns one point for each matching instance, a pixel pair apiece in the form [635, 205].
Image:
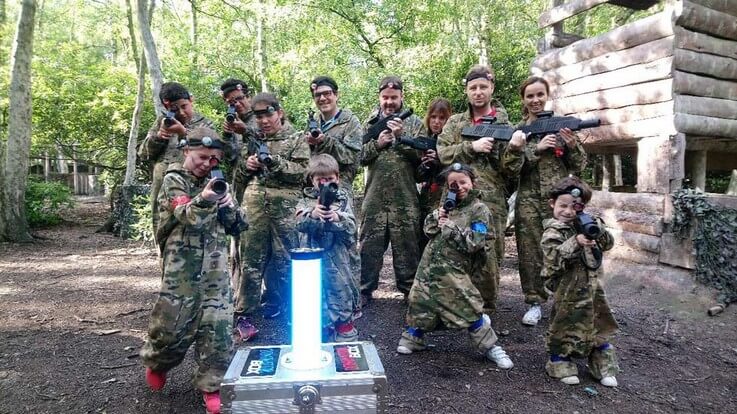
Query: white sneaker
[609, 381]
[572, 380]
[532, 316]
[496, 354]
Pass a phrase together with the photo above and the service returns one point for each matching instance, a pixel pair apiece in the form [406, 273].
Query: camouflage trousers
[579, 324]
[487, 277]
[601, 362]
[430, 196]
[452, 300]
[264, 248]
[192, 307]
[340, 291]
[377, 230]
[528, 228]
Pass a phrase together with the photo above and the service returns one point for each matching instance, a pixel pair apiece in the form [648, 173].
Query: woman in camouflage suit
[547, 160]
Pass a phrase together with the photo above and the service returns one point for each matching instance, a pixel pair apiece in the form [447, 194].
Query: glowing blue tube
[306, 308]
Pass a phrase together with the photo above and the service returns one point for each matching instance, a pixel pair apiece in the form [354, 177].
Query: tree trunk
[152, 57]
[138, 58]
[13, 221]
[260, 47]
[193, 33]
[130, 166]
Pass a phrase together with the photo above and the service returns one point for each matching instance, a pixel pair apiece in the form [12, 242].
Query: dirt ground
[74, 311]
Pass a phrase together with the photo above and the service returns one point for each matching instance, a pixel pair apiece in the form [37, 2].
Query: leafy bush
[44, 202]
[142, 229]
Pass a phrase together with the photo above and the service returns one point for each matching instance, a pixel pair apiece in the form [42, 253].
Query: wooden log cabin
[665, 89]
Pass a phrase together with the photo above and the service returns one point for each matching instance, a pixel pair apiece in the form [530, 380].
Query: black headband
[573, 190]
[390, 85]
[323, 82]
[205, 141]
[478, 75]
[458, 167]
[268, 111]
[232, 88]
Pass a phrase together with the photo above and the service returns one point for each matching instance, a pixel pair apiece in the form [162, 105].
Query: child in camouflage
[580, 322]
[443, 290]
[331, 227]
[195, 303]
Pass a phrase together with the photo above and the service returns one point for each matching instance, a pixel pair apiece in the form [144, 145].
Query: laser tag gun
[220, 186]
[451, 200]
[420, 143]
[328, 194]
[312, 125]
[381, 125]
[588, 226]
[545, 124]
[169, 117]
[231, 115]
[258, 148]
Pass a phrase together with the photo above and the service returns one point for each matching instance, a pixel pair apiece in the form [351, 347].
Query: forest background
[86, 55]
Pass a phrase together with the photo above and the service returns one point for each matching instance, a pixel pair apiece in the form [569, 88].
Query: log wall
[662, 86]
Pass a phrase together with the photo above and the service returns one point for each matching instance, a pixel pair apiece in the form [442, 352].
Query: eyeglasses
[236, 98]
[325, 94]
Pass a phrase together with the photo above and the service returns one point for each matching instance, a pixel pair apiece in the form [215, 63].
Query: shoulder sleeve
[451, 148]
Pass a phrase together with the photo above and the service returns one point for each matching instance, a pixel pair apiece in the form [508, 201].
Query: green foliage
[714, 237]
[45, 202]
[84, 71]
[142, 229]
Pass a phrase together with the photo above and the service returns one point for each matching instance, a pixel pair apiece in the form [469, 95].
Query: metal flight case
[260, 380]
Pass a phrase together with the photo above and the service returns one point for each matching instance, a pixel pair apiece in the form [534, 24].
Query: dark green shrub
[45, 202]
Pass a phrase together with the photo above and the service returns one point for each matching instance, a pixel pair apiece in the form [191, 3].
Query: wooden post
[696, 168]
[75, 172]
[654, 164]
[611, 172]
[47, 166]
[732, 188]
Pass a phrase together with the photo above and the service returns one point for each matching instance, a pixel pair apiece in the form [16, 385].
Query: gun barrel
[376, 129]
[589, 123]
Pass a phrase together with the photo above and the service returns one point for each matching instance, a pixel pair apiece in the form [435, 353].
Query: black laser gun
[586, 225]
[451, 200]
[328, 194]
[169, 118]
[220, 186]
[589, 227]
[230, 116]
[312, 124]
[420, 143]
[381, 125]
[545, 124]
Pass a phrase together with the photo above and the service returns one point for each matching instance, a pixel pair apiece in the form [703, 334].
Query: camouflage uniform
[539, 173]
[581, 320]
[343, 142]
[340, 290]
[443, 290]
[195, 303]
[390, 209]
[269, 201]
[431, 192]
[491, 170]
[241, 141]
[162, 152]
